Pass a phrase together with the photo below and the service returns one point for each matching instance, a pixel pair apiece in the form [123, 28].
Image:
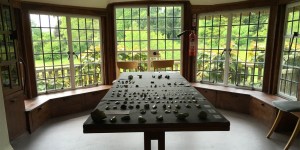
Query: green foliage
[50, 44]
[248, 44]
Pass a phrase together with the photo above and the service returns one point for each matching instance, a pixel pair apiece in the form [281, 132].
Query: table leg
[148, 136]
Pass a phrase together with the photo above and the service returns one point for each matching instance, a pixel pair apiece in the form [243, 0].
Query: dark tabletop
[167, 94]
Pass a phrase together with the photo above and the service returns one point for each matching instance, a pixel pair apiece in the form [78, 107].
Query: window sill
[266, 98]
[33, 103]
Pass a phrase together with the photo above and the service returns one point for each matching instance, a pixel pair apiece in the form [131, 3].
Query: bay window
[142, 31]
[67, 51]
[290, 61]
[231, 47]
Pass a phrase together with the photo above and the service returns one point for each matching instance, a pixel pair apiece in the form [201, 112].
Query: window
[10, 75]
[290, 61]
[67, 51]
[138, 34]
[231, 47]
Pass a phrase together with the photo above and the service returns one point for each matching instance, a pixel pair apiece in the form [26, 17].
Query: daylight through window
[143, 38]
[67, 51]
[231, 48]
[290, 61]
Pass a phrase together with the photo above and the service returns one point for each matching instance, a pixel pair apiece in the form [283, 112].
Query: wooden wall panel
[270, 84]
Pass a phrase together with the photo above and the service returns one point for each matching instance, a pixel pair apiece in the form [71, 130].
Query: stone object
[142, 111]
[159, 118]
[202, 115]
[182, 116]
[141, 119]
[153, 111]
[146, 106]
[125, 118]
[98, 115]
[123, 107]
[113, 119]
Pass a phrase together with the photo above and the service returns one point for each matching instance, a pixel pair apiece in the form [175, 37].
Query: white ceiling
[103, 3]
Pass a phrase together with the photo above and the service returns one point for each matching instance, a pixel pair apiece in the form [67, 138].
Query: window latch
[72, 54]
[296, 34]
[226, 50]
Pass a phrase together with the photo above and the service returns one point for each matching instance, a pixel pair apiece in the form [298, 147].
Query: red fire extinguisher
[192, 45]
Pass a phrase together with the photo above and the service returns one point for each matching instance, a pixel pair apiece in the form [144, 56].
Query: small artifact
[202, 115]
[125, 102]
[167, 76]
[159, 76]
[137, 106]
[164, 106]
[115, 107]
[177, 106]
[98, 115]
[113, 119]
[130, 77]
[125, 118]
[194, 101]
[141, 119]
[159, 118]
[175, 111]
[188, 106]
[154, 106]
[142, 111]
[130, 107]
[146, 106]
[198, 106]
[182, 116]
[167, 111]
[107, 108]
[123, 107]
[169, 106]
[153, 111]
[117, 102]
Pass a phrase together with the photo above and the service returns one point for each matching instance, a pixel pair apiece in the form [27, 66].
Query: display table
[155, 103]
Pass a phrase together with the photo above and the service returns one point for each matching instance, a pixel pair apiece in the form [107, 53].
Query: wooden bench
[255, 103]
[42, 108]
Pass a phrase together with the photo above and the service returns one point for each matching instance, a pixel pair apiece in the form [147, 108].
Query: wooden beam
[196, 9]
[32, 6]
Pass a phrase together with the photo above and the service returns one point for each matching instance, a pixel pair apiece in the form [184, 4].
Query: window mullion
[227, 50]
[148, 37]
[71, 60]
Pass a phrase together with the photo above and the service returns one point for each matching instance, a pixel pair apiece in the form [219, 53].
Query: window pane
[246, 48]
[165, 24]
[210, 60]
[289, 78]
[50, 46]
[247, 44]
[87, 52]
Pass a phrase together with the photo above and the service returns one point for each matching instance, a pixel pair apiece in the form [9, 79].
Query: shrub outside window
[231, 48]
[140, 31]
[67, 51]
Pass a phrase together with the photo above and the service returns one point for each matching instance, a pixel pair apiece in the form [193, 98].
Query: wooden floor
[65, 133]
